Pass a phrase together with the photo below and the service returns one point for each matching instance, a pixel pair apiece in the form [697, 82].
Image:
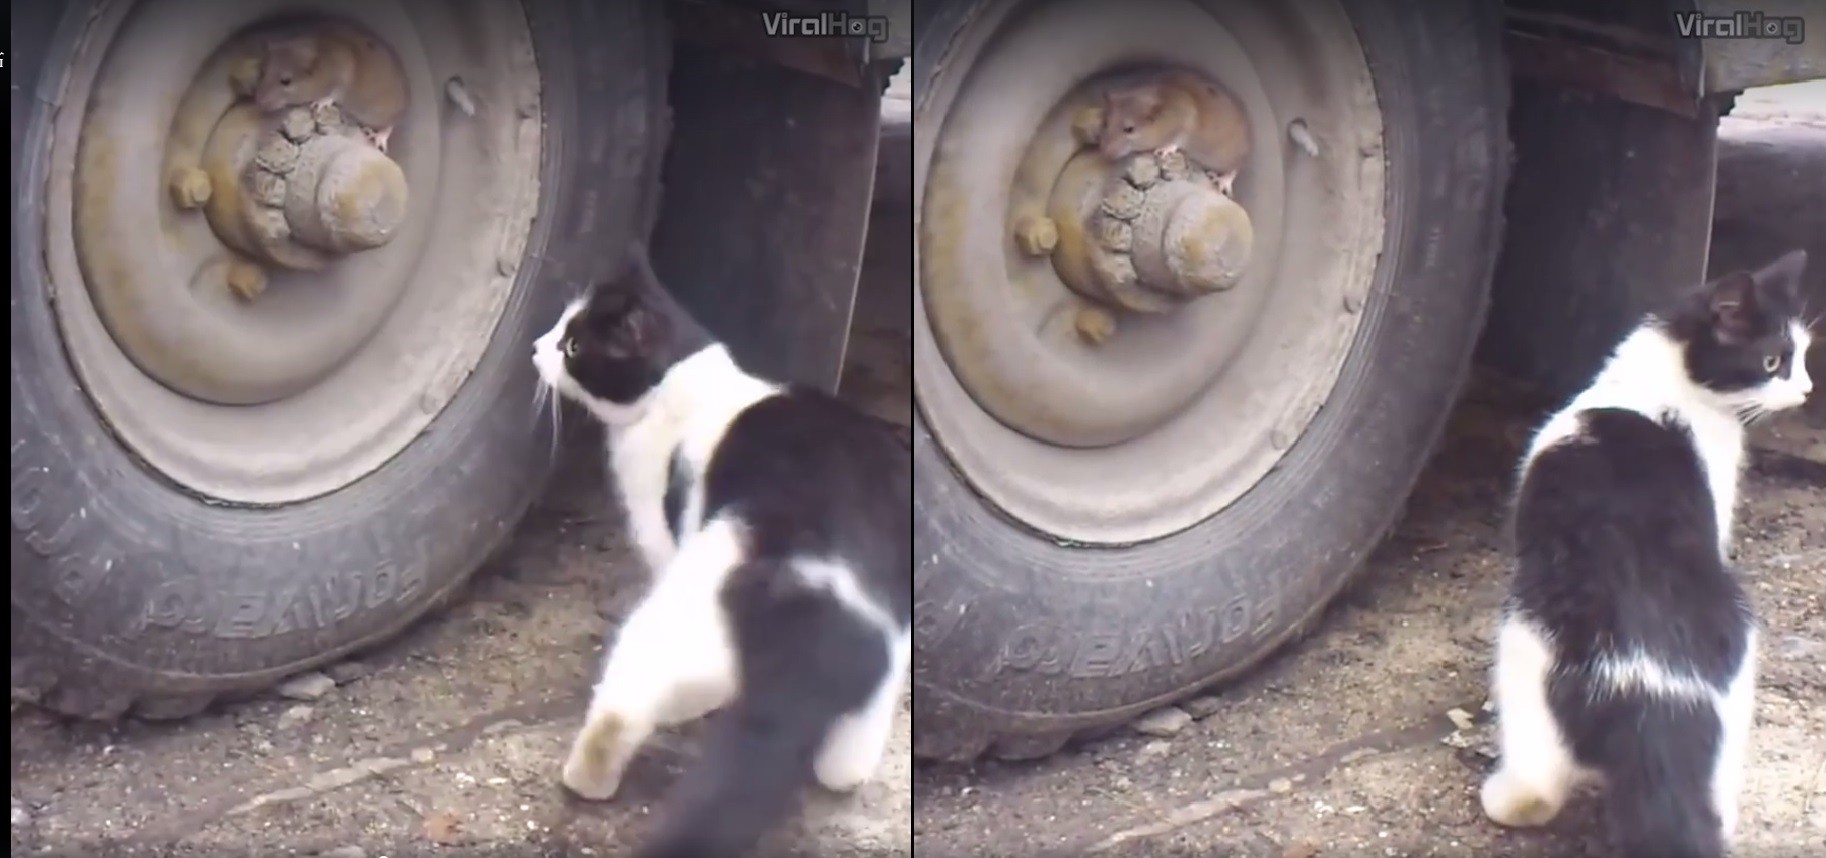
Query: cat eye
[570, 347]
[1772, 364]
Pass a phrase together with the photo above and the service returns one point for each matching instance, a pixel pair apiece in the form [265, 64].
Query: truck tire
[132, 592]
[1028, 634]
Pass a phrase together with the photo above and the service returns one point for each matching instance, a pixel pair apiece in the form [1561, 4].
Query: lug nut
[1036, 235]
[1095, 324]
[190, 188]
[246, 280]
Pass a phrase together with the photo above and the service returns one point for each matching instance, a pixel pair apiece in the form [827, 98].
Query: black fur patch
[1617, 548]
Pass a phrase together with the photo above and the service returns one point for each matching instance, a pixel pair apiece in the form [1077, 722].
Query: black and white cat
[777, 525]
[1626, 653]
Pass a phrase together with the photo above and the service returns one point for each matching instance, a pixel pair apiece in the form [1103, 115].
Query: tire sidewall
[1018, 636]
[125, 585]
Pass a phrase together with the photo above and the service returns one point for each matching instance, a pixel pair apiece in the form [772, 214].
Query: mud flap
[1609, 214]
[767, 193]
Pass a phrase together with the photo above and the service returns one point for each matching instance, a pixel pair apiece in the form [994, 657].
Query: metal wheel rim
[476, 185]
[1310, 304]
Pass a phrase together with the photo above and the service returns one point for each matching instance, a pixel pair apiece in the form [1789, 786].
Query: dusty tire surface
[129, 594]
[1023, 642]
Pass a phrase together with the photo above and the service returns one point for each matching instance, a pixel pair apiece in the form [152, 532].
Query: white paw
[1510, 803]
[590, 771]
[843, 775]
[587, 773]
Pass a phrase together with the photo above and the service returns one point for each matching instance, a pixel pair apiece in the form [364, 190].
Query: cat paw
[590, 771]
[1511, 804]
[843, 775]
[588, 774]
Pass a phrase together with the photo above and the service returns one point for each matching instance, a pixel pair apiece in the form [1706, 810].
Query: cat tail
[806, 661]
[1658, 795]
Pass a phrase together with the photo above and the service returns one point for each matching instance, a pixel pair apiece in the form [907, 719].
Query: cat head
[611, 347]
[1744, 337]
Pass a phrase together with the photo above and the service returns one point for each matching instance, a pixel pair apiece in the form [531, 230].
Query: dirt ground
[1349, 744]
[448, 741]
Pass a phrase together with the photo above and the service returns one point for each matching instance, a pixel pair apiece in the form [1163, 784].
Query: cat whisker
[557, 421]
[541, 394]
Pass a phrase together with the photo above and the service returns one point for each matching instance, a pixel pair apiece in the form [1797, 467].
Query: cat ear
[1783, 276]
[641, 326]
[1731, 300]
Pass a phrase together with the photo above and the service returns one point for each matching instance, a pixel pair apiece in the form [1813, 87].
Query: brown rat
[1177, 110]
[336, 64]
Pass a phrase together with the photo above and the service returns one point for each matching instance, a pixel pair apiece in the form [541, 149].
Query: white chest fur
[639, 468]
[688, 414]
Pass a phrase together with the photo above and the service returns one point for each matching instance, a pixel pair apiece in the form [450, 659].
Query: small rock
[502, 726]
[1163, 722]
[1300, 849]
[295, 717]
[1460, 718]
[443, 828]
[1153, 750]
[21, 816]
[1280, 785]
[346, 672]
[307, 686]
[344, 852]
[423, 755]
[1478, 632]
[1798, 648]
[1201, 708]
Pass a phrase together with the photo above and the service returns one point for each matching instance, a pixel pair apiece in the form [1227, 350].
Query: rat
[336, 64]
[1180, 111]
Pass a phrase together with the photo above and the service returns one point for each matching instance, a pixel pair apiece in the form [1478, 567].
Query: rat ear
[1783, 276]
[1731, 301]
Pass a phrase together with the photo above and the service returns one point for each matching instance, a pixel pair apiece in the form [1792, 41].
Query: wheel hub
[204, 254]
[1157, 234]
[298, 191]
[1104, 354]
[1099, 335]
